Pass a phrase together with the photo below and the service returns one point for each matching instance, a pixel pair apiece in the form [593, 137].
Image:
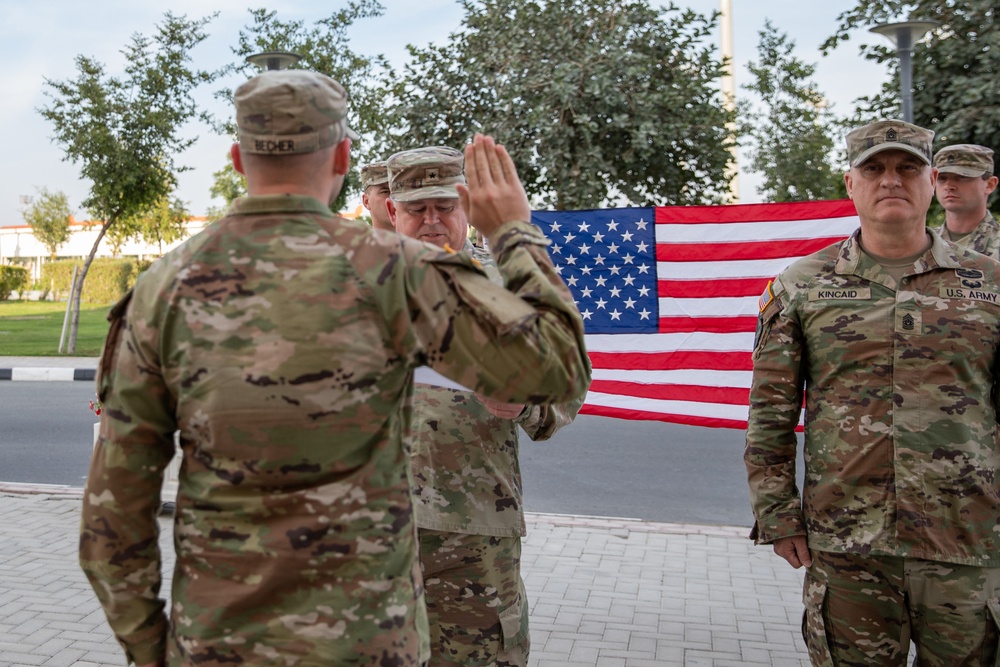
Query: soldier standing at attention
[374, 192]
[965, 181]
[281, 343]
[466, 474]
[893, 335]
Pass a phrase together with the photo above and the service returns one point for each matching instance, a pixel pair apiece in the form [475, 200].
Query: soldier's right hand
[795, 550]
[494, 194]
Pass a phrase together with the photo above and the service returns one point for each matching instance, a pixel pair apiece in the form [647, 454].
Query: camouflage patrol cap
[291, 111]
[884, 135]
[425, 173]
[374, 173]
[965, 160]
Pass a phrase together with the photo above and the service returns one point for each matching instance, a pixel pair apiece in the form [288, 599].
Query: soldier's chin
[438, 240]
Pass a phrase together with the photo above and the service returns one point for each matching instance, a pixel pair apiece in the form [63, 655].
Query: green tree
[48, 216]
[598, 101]
[228, 184]
[955, 69]
[789, 140]
[125, 131]
[325, 47]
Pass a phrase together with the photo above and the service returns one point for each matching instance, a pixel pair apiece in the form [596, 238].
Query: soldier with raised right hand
[281, 343]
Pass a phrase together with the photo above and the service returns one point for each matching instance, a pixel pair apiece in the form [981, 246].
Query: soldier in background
[281, 343]
[965, 181]
[466, 475]
[374, 193]
[894, 335]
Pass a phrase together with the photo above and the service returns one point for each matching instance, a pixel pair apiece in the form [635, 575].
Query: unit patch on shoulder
[767, 297]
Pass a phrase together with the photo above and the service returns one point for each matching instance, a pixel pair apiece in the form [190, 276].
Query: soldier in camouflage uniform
[965, 182]
[374, 193]
[281, 343]
[466, 475]
[894, 335]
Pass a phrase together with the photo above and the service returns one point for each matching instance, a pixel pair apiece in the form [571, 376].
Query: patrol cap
[425, 173]
[965, 160]
[884, 135]
[374, 173]
[291, 111]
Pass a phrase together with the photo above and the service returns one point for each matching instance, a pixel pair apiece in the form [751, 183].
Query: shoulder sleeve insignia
[767, 297]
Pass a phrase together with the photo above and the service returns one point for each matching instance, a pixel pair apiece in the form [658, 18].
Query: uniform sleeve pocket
[503, 310]
[514, 623]
[814, 622]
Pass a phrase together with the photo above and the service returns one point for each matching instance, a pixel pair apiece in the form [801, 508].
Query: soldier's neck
[959, 222]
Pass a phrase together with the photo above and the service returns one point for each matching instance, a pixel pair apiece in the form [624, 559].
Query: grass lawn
[32, 328]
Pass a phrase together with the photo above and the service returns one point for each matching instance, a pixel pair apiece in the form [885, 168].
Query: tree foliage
[228, 184]
[48, 215]
[599, 102]
[325, 47]
[125, 131]
[789, 133]
[955, 70]
[159, 224]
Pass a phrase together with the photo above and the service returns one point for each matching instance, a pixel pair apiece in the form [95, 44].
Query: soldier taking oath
[281, 343]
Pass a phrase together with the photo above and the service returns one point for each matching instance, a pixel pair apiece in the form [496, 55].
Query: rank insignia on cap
[951, 159]
[432, 175]
[891, 135]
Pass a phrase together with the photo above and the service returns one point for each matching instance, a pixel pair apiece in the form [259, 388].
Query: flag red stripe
[668, 361]
[722, 252]
[701, 289]
[813, 210]
[745, 324]
[674, 392]
[690, 420]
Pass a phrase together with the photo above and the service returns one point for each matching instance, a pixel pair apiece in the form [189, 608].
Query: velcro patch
[841, 294]
[767, 297]
[974, 294]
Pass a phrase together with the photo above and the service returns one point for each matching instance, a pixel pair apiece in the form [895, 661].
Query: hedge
[12, 279]
[107, 280]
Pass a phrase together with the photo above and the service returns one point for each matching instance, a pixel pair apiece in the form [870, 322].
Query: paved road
[596, 466]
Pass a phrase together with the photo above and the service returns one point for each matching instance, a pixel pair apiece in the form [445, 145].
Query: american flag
[669, 297]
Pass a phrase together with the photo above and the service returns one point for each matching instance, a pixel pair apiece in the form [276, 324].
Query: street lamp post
[270, 60]
[903, 36]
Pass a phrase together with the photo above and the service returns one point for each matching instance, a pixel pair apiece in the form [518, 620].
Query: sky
[41, 39]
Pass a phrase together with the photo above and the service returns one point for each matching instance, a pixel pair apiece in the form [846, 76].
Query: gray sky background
[40, 39]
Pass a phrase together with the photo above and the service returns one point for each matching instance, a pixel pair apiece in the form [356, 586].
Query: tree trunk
[78, 290]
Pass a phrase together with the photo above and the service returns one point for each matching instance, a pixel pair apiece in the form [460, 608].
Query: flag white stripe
[735, 379]
[739, 268]
[674, 342]
[744, 232]
[710, 307]
[709, 410]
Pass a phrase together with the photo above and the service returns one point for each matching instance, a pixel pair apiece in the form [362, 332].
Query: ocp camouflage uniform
[470, 518]
[984, 239]
[901, 445]
[281, 342]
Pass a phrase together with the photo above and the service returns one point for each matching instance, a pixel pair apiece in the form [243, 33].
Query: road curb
[48, 374]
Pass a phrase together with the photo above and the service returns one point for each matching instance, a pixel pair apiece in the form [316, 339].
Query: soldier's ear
[342, 158]
[391, 207]
[234, 153]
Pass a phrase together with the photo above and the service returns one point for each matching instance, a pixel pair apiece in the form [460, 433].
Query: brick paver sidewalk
[603, 593]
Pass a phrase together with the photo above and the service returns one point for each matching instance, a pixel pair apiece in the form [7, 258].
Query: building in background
[19, 246]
